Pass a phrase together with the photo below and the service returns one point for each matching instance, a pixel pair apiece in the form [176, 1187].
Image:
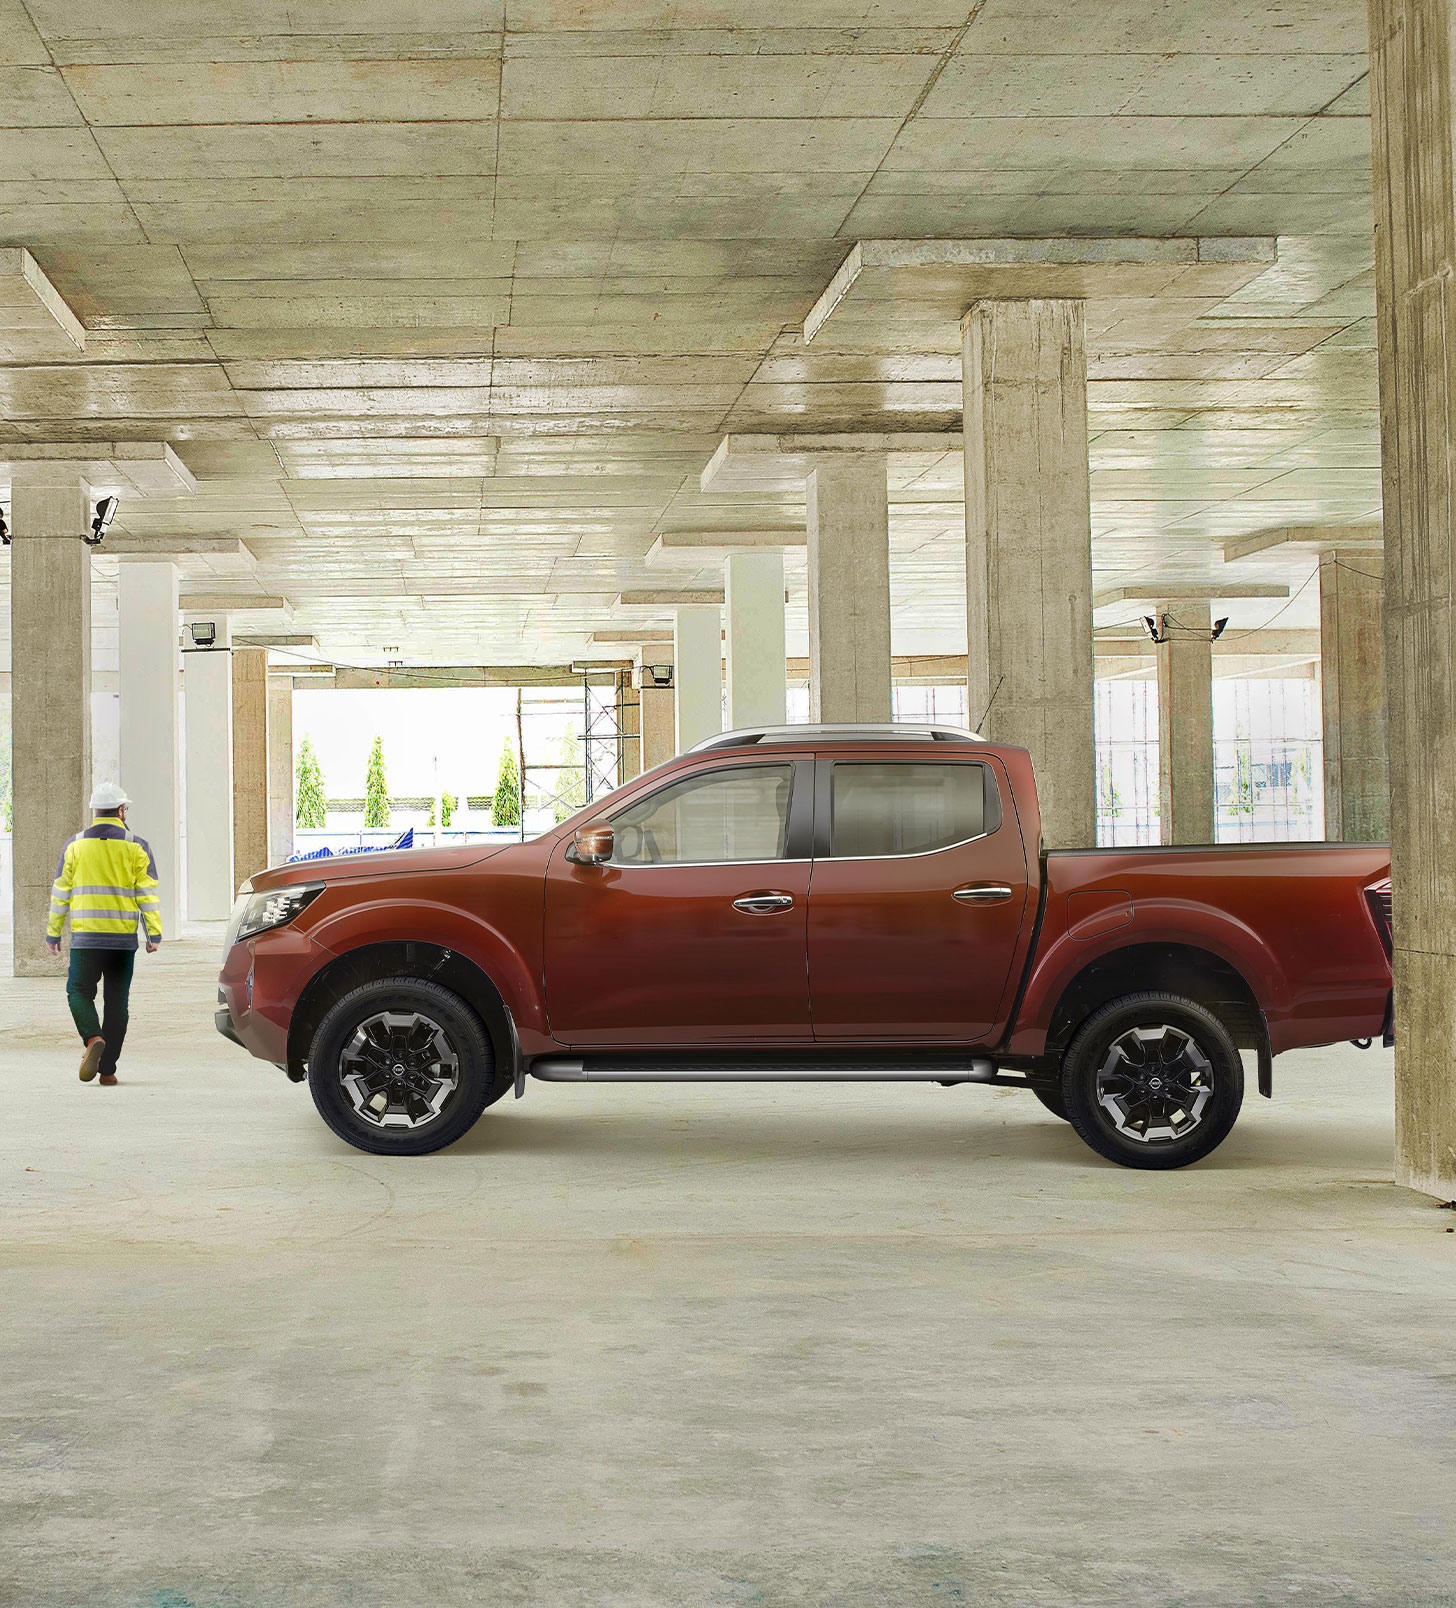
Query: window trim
[798, 833]
[824, 804]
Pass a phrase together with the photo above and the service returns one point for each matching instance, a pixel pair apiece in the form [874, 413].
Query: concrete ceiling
[446, 309]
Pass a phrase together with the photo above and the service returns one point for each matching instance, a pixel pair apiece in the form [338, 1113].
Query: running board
[767, 1069]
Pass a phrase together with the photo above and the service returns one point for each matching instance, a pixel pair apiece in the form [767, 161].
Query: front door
[920, 889]
[693, 934]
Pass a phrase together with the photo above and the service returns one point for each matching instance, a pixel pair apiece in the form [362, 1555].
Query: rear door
[694, 932]
[919, 890]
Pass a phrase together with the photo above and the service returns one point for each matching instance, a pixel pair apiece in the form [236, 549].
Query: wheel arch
[430, 962]
[1187, 969]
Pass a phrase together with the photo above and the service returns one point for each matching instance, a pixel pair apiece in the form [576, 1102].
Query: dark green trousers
[90, 967]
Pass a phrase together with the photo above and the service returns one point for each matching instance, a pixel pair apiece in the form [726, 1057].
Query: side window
[738, 814]
[879, 810]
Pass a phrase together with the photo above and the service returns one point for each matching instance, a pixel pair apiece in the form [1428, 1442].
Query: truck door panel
[919, 892]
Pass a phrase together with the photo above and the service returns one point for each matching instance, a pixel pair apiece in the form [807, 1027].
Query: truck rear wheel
[1152, 1080]
[401, 1067]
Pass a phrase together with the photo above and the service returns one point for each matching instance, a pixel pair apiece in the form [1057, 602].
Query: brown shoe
[91, 1060]
[108, 1079]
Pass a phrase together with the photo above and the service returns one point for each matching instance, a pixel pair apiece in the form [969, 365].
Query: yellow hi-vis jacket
[106, 882]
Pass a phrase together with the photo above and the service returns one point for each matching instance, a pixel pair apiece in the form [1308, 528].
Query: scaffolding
[607, 742]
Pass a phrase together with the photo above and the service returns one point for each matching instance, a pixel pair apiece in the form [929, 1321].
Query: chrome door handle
[983, 893]
[764, 904]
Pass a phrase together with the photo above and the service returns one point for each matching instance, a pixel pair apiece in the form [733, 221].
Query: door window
[725, 815]
[900, 808]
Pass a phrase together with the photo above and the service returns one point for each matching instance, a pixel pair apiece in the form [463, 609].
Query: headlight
[257, 912]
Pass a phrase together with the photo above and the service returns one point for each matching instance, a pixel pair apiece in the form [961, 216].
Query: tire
[1121, 1054]
[1050, 1096]
[411, 1052]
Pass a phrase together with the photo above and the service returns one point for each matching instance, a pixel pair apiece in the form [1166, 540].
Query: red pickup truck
[811, 903]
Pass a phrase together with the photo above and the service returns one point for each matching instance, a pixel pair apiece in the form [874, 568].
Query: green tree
[571, 779]
[310, 806]
[505, 809]
[448, 805]
[376, 789]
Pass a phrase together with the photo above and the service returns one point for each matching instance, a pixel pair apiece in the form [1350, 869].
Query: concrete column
[1029, 548]
[657, 712]
[207, 692]
[697, 644]
[1412, 104]
[280, 769]
[1185, 722]
[250, 762]
[50, 682]
[151, 719]
[755, 665]
[849, 591]
[1352, 689]
[629, 723]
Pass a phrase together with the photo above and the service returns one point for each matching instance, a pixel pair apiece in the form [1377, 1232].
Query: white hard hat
[108, 796]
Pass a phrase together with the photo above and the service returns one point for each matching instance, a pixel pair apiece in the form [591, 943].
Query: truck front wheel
[401, 1067]
[1152, 1080]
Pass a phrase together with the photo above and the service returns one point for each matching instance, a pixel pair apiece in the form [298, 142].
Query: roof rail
[898, 732]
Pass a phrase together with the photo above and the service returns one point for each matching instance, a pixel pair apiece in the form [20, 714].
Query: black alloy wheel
[401, 1067]
[1152, 1080]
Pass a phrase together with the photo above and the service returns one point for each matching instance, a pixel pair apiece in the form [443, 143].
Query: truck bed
[1301, 923]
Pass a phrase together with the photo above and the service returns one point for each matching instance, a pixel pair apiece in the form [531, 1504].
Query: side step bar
[767, 1069]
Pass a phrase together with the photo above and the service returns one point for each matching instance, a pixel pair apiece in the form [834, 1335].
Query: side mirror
[592, 844]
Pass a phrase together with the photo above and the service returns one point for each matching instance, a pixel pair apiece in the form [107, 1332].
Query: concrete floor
[655, 1348]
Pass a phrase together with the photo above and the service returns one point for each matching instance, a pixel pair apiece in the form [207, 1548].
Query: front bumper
[259, 986]
[223, 1019]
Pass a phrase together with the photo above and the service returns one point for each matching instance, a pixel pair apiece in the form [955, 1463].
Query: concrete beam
[1306, 539]
[896, 294]
[127, 468]
[1142, 593]
[784, 462]
[277, 640]
[232, 603]
[667, 600]
[122, 544]
[35, 321]
[348, 679]
[706, 545]
[1270, 644]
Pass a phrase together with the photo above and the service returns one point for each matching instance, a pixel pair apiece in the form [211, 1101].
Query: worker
[107, 883]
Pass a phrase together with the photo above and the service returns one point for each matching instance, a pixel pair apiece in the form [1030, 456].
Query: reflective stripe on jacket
[106, 882]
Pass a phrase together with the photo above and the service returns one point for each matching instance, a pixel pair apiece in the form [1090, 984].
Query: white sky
[443, 739]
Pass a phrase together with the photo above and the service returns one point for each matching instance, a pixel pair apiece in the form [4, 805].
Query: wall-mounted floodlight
[203, 633]
[656, 675]
[105, 513]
